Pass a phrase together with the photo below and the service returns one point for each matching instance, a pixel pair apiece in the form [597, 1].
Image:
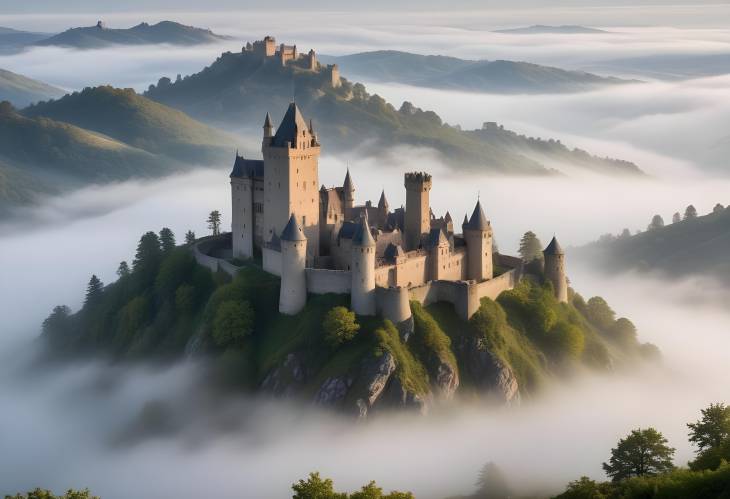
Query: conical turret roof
[292, 123]
[267, 121]
[553, 248]
[293, 231]
[466, 221]
[478, 220]
[382, 202]
[348, 185]
[362, 236]
[447, 217]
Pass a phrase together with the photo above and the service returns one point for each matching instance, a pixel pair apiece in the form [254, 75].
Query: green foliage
[94, 290]
[410, 371]
[530, 247]
[623, 332]
[641, 453]
[690, 213]
[599, 313]
[147, 258]
[711, 435]
[316, 487]
[233, 323]
[47, 494]
[123, 269]
[340, 326]
[492, 484]
[431, 342]
[567, 340]
[214, 222]
[585, 488]
[189, 237]
[167, 240]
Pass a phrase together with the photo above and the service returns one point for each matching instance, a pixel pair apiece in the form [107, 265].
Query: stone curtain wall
[322, 281]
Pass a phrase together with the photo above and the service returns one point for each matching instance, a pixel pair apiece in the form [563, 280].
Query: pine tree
[530, 247]
[690, 213]
[676, 218]
[189, 237]
[167, 240]
[718, 208]
[492, 483]
[148, 252]
[656, 223]
[214, 222]
[93, 291]
[123, 269]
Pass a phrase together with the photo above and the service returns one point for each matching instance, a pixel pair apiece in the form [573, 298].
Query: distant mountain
[239, 88]
[687, 248]
[479, 76]
[12, 40]
[124, 136]
[558, 30]
[20, 90]
[143, 34]
[668, 66]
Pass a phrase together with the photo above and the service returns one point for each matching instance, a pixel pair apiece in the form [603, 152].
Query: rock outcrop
[286, 379]
[491, 375]
[333, 391]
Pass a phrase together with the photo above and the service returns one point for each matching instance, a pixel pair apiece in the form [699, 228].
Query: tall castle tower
[363, 270]
[291, 177]
[383, 210]
[555, 269]
[478, 235]
[418, 212]
[293, 291]
[241, 210]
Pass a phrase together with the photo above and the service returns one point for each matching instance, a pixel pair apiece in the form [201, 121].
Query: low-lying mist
[136, 431]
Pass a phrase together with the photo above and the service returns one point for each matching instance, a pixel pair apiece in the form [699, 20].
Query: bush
[599, 313]
[567, 340]
[340, 326]
[232, 323]
[488, 323]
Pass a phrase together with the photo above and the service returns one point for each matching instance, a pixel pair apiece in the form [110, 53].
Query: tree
[232, 323]
[585, 488]
[93, 291]
[148, 253]
[167, 240]
[641, 453]
[676, 218]
[57, 326]
[123, 269]
[492, 483]
[625, 234]
[623, 331]
[340, 326]
[315, 488]
[690, 213]
[599, 313]
[530, 247]
[567, 340]
[718, 208]
[657, 222]
[712, 429]
[189, 237]
[214, 222]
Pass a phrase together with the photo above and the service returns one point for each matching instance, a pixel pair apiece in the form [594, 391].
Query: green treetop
[167, 240]
[641, 453]
[530, 247]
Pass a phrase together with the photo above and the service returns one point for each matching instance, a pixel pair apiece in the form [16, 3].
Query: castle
[318, 240]
[267, 50]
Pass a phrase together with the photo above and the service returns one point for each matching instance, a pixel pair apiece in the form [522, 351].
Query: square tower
[291, 178]
[418, 210]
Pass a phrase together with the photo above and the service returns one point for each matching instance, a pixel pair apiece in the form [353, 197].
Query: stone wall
[271, 261]
[321, 281]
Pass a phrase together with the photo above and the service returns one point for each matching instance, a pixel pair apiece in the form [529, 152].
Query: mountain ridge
[21, 91]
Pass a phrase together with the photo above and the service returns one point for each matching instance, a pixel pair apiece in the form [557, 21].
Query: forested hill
[97, 136]
[143, 34]
[499, 76]
[689, 246]
[20, 90]
[238, 89]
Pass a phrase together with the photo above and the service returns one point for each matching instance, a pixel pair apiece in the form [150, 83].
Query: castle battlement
[319, 241]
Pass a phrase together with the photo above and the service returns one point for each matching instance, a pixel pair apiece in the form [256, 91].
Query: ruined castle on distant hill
[267, 49]
[320, 241]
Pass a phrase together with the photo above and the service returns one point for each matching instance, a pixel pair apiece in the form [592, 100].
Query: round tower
[293, 291]
[363, 270]
[478, 236]
[555, 269]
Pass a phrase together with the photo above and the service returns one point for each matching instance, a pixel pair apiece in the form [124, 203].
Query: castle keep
[318, 240]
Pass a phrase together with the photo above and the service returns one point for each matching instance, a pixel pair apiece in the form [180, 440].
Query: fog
[66, 426]
[80, 425]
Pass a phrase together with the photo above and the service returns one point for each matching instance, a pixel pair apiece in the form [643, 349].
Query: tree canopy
[530, 247]
[641, 453]
[167, 240]
[233, 322]
[340, 326]
[690, 213]
[214, 222]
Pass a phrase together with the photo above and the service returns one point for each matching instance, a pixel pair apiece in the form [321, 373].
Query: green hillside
[511, 77]
[139, 122]
[167, 306]
[143, 34]
[690, 247]
[239, 88]
[21, 91]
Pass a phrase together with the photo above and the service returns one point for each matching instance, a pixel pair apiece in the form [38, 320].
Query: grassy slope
[21, 91]
[681, 249]
[137, 121]
[238, 89]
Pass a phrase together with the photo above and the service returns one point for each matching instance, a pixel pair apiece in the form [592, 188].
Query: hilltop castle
[318, 240]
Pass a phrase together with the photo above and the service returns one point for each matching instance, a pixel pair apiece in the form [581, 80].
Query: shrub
[567, 340]
[232, 323]
[488, 323]
[340, 326]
